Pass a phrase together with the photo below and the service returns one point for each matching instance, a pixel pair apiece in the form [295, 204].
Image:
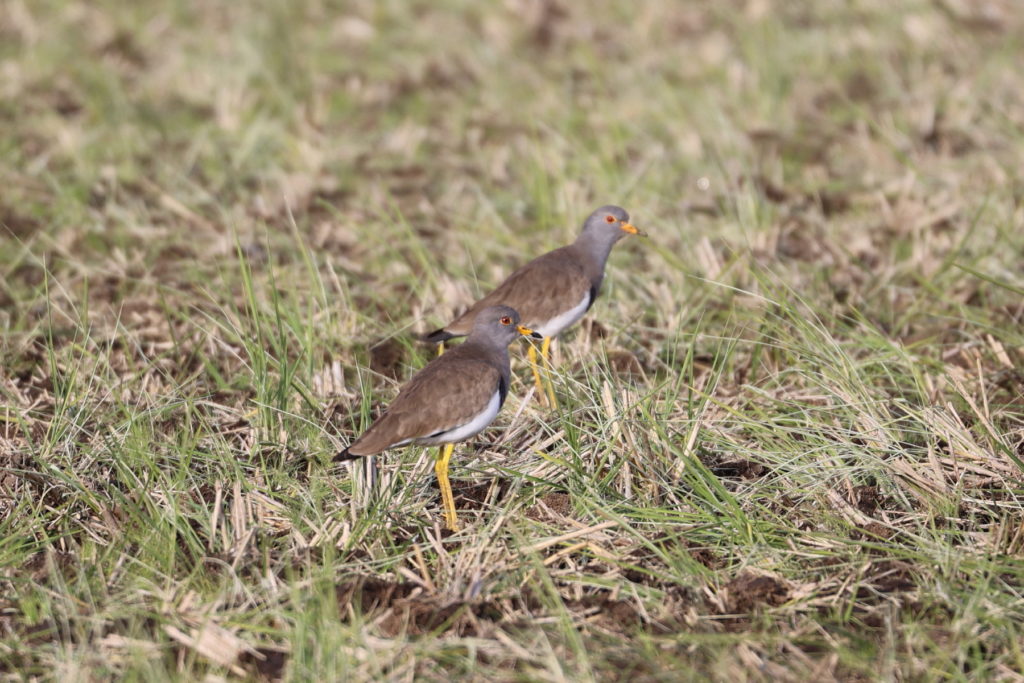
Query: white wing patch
[552, 327]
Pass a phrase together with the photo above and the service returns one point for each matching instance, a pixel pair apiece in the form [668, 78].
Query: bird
[453, 398]
[553, 291]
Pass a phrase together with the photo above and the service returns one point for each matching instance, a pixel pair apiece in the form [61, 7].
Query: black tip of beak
[536, 335]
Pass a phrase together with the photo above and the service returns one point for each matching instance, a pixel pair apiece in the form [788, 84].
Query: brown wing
[449, 392]
[540, 290]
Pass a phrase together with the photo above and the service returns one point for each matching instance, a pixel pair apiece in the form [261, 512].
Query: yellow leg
[531, 353]
[440, 348]
[545, 346]
[441, 469]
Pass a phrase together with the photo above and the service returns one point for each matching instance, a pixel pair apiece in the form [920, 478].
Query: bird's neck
[595, 254]
[486, 347]
[496, 354]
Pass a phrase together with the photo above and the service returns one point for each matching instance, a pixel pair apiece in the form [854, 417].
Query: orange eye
[506, 320]
[609, 218]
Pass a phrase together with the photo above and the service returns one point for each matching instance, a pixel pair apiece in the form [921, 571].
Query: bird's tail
[345, 455]
[437, 336]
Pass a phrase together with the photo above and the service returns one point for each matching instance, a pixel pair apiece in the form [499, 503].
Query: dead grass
[792, 431]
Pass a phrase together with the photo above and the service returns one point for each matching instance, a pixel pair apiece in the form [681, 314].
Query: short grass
[791, 435]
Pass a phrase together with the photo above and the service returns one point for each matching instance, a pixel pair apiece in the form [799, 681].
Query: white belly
[553, 327]
[471, 428]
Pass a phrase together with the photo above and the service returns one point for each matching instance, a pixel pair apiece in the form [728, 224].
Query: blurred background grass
[792, 425]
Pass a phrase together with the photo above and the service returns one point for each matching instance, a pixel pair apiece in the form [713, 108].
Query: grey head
[601, 231]
[609, 223]
[497, 326]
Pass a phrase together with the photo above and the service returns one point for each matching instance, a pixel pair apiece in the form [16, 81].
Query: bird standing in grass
[453, 398]
[555, 290]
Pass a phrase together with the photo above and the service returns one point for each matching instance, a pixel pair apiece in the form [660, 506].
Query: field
[790, 441]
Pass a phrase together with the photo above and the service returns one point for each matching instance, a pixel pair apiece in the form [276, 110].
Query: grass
[791, 432]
